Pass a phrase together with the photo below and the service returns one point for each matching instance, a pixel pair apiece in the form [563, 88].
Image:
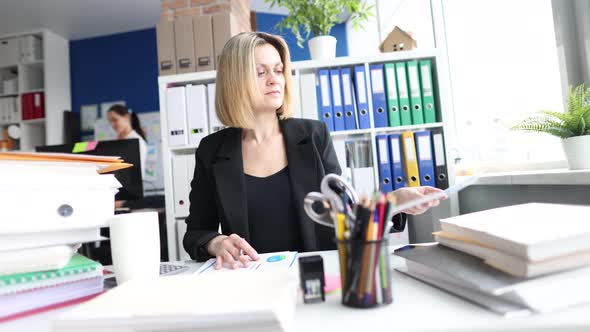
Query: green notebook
[77, 266]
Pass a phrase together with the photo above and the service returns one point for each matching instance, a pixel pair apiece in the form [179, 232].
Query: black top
[272, 218]
[218, 190]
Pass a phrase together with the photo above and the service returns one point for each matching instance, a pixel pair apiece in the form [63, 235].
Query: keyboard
[171, 269]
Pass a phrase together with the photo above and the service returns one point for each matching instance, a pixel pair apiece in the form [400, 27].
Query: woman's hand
[406, 194]
[231, 250]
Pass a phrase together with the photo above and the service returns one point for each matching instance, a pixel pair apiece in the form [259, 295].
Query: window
[503, 67]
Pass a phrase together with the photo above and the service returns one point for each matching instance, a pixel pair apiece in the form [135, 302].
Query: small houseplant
[573, 126]
[317, 17]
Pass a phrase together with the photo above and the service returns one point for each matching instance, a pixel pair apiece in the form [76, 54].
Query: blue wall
[116, 67]
[124, 66]
[267, 22]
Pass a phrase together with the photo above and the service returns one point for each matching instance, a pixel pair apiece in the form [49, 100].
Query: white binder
[196, 113]
[180, 185]
[309, 103]
[176, 112]
[214, 124]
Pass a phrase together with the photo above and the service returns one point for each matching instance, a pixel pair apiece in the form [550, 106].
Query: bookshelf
[301, 69]
[46, 71]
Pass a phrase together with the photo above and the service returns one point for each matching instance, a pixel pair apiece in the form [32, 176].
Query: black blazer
[218, 190]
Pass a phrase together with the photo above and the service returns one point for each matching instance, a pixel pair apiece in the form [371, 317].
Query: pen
[340, 229]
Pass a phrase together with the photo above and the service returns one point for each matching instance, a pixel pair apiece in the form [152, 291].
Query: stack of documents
[22, 294]
[50, 204]
[517, 259]
[239, 301]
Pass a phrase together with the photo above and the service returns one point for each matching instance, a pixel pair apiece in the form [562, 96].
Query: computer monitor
[128, 150]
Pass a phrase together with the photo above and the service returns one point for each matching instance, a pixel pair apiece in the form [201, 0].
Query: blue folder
[385, 184]
[325, 98]
[362, 105]
[398, 176]
[380, 114]
[337, 108]
[347, 99]
[423, 141]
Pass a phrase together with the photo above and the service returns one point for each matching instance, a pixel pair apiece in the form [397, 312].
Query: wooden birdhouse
[398, 40]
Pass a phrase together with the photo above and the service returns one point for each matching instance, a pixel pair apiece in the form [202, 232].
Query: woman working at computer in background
[253, 176]
[126, 125]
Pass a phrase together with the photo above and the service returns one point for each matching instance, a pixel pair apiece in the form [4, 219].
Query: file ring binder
[442, 177]
[399, 179]
[380, 110]
[363, 112]
[326, 115]
[417, 107]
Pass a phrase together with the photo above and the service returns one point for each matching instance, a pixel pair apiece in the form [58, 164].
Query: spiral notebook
[78, 268]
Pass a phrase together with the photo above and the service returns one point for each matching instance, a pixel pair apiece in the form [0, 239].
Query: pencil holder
[364, 273]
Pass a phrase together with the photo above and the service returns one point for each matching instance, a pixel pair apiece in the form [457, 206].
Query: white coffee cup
[135, 246]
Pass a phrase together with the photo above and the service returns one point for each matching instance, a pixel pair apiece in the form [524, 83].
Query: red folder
[27, 106]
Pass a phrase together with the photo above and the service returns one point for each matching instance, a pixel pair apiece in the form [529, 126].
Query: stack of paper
[530, 257]
[239, 301]
[50, 204]
[22, 294]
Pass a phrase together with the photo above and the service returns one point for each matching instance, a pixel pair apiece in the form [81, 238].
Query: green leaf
[317, 17]
[574, 122]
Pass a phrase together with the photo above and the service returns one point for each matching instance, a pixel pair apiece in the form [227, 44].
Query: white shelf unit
[444, 114]
[49, 74]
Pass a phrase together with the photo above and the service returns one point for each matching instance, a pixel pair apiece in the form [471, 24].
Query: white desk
[416, 307]
[558, 176]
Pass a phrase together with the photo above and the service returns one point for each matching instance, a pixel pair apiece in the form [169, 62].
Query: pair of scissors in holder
[337, 196]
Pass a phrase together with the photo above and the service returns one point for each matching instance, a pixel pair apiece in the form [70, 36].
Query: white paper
[283, 259]
[436, 196]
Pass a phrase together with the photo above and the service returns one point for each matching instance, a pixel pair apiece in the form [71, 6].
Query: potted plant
[573, 127]
[317, 17]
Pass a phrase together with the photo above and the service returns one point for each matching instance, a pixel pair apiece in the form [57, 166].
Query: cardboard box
[9, 52]
[224, 27]
[185, 45]
[31, 48]
[203, 32]
[166, 48]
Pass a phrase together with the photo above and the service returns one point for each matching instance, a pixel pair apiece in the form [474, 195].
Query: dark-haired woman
[126, 125]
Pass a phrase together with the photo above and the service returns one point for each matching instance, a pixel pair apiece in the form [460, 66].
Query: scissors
[337, 196]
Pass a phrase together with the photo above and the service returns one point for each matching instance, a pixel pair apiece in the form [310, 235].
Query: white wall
[410, 15]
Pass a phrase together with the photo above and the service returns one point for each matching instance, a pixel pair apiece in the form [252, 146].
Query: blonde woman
[252, 177]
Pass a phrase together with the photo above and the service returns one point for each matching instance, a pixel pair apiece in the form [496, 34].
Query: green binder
[392, 100]
[415, 93]
[427, 91]
[403, 93]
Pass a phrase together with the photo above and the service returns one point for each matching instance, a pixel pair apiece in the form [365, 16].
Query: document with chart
[283, 259]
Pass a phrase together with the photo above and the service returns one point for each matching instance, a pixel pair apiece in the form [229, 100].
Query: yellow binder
[410, 161]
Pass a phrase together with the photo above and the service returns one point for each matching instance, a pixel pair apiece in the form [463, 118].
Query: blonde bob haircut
[236, 82]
